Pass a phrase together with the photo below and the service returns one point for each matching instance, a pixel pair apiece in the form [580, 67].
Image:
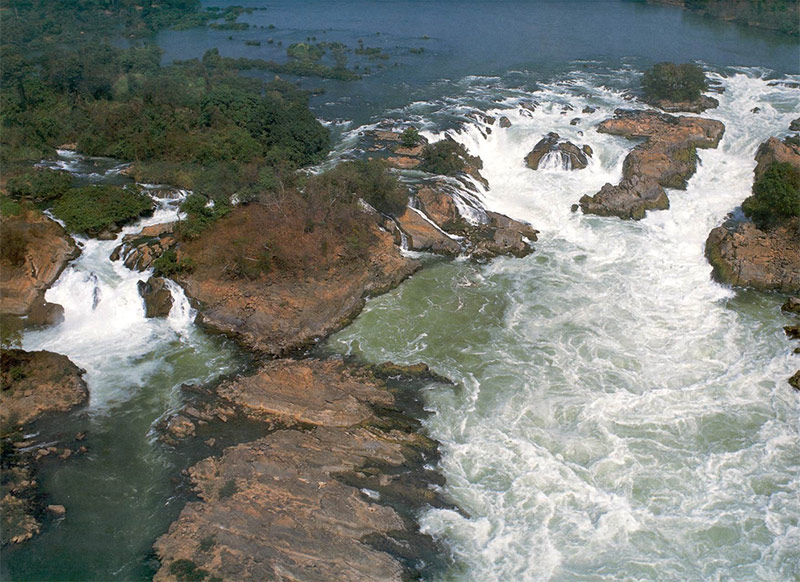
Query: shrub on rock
[776, 195]
[673, 82]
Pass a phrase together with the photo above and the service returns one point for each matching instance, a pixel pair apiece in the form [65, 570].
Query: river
[617, 415]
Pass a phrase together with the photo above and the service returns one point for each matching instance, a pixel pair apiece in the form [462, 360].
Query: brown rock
[44, 313]
[742, 255]
[309, 504]
[36, 250]
[792, 331]
[287, 308]
[424, 236]
[322, 393]
[791, 305]
[794, 381]
[666, 160]
[140, 250]
[505, 122]
[697, 106]
[776, 151]
[157, 297]
[573, 157]
[36, 383]
[57, 510]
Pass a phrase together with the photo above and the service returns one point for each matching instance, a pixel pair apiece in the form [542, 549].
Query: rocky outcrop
[436, 225]
[329, 496]
[157, 297]
[667, 159]
[776, 151]
[424, 235]
[37, 383]
[795, 125]
[35, 249]
[571, 157]
[34, 385]
[697, 106]
[742, 255]
[287, 309]
[139, 251]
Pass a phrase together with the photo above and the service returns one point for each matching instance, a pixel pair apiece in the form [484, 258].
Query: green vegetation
[168, 265]
[674, 82]
[780, 15]
[9, 207]
[776, 195]
[93, 209]
[410, 137]
[365, 179]
[39, 185]
[228, 489]
[187, 571]
[446, 157]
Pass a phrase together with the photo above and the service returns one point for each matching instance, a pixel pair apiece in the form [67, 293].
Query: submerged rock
[572, 157]
[667, 159]
[333, 499]
[157, 297]
[794, 381]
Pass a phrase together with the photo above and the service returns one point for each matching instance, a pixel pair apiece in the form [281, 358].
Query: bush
[369, 180]
[674, 82]
[447, 158]
[40, 185]
[776, 195]
[93, 209]
[168, 265]
[410, 137]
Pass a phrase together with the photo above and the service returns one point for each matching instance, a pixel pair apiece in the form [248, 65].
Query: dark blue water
[538, 39]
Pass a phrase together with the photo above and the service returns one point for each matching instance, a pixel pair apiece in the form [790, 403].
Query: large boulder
[742, 255]
[423, 235]
[157, 297]
[697, 106]
[571, 156]
[286, 308]
[667, 159]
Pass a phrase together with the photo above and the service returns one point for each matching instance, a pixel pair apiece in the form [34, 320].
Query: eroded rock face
[666, 160]
[36, 250]
[697, 106]
[37, 383]
[572, 157]
[333, 501]
[139, 251]
[157, 297]
[424, 236]
[745, 256]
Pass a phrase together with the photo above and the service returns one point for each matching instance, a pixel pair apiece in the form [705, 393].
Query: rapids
[620, 416]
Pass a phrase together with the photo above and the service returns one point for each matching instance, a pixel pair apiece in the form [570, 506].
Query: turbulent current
[616, 414]
[619, 416]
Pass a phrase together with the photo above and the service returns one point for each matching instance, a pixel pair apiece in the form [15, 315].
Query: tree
[674, 82]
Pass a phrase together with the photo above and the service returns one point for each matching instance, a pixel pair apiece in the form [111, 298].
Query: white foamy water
[620, 416]
[105, 330]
